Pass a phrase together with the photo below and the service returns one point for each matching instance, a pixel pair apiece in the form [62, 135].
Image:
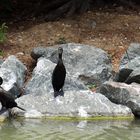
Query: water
[70, 130]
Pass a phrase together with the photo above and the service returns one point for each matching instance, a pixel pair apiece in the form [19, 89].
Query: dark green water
[70, 130]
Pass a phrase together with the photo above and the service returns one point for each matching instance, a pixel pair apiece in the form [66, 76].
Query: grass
[91, 86]
[1, 53]
[61, 40]
[3, 31]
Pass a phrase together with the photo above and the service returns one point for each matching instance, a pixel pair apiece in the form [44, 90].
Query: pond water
[70, 130]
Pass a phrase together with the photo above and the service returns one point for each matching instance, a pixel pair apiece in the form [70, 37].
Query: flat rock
[82, 103]
[124, 94]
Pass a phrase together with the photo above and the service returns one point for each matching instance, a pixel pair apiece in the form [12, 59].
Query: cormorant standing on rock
[58, 76]
[7, 101]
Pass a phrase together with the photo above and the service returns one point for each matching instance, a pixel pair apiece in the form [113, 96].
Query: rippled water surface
[70, 130]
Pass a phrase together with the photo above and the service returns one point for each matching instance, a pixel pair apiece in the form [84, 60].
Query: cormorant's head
[60, 50]
[1, 80]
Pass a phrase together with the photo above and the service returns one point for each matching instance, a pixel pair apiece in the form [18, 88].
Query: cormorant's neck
[60, 56]
[60, 61]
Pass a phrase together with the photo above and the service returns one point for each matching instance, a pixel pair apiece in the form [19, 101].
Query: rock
[87, 63]
[1, 61]
[122, 93]
[129, 72]
[4, 116]
[78, 101]
[122, 75]
[134, 77]
[40, 82]
[82, 103]
[38, 52]
[132, 65]
[133, 52]
[13, 73]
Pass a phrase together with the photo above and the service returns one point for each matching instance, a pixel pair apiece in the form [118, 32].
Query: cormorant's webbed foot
[61, 92]
[58, 93]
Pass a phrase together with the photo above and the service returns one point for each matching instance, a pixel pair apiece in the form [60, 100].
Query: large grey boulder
[134, 77]
[78, 101]
[130, 63]
[124, 94]
[130, 72]
[40, 83]
[82, 103]
[13, 73]
[132, 52]
[87, 63]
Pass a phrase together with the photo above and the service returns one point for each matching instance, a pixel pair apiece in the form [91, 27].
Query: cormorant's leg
[61, 92]
[3, 109]
[56, 93]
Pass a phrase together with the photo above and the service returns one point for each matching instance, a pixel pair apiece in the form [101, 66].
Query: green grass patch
[3, 31]
[61, 40]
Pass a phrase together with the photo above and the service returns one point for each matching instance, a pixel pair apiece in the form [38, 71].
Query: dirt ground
[111, 30]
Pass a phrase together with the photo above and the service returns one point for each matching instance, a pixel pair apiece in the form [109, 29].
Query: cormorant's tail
[21, 108]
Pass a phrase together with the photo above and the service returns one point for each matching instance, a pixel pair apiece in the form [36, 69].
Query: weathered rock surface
[40, 82]
[130, 65]
[13, 73]
[124, 94]
[133, 52]
[122, 75]
[134, 77]
[84, 65]
[82, 103]
[83, 62]
[78, 101]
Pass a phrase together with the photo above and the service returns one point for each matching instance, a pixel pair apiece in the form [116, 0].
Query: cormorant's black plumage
[58, 76]
[1, 81]
[7, 101]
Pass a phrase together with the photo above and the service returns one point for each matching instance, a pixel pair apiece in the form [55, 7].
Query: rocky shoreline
[116, 95]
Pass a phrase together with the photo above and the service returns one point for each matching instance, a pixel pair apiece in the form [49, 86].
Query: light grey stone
[86, 63]
[78, 100]
[133, 52]
[124, 94]
[130, 64]
[13, 73]
[82, 103]
[134, 77]
[40, 82]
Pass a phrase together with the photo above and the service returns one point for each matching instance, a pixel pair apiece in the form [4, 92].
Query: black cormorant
[58, 76]
[7, 101]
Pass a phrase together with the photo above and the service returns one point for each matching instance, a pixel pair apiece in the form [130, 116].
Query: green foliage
[91, 86]
[61, 40]
[1, 53]
[3, 30]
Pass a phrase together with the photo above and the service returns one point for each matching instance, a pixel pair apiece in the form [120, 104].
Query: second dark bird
[7, 101]
[58, 76]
